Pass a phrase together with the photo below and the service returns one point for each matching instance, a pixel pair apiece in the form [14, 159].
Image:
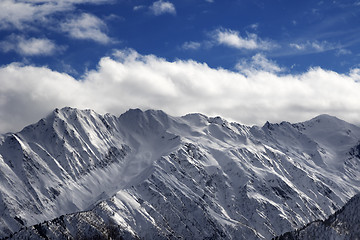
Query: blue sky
[256, 44]
[295, 34]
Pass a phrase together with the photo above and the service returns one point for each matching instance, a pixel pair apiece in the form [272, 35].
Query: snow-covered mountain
[150, 175]
[344, 224]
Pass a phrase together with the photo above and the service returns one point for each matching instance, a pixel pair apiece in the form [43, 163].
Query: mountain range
[77, 174]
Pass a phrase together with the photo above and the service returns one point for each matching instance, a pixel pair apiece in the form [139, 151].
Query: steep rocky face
[82, 225]
[44, 167]
[343, 224]
[150, 175]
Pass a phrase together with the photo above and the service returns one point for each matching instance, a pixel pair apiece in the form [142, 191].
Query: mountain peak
[133, 111]
[69, 111]
[197, 119]
[325, 118]
[325, 122]
[139, 120]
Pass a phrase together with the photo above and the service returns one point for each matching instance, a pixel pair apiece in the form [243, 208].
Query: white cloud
[254, 26]
[139, 7]
[18, 13]
[233, 39]
[86, 26]
[130, 80]
[191, 45]
[39, 91]
[29, 47]
[297, 46]
[162, 7]
[313, 46]
[343, 51]
[258, 63]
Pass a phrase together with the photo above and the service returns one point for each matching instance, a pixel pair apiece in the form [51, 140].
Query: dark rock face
[343, 224]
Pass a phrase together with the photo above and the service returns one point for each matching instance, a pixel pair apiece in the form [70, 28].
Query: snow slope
[151, 175]
[344, 224]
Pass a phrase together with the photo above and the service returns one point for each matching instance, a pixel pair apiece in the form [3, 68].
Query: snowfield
[76, 174]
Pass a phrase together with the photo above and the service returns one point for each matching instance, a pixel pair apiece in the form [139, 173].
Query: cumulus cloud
[162, 7]
[129, 80]
[30, 92]
[86, 26]
[29, 47]
[258, 63]
[18, 13]
[233, 39]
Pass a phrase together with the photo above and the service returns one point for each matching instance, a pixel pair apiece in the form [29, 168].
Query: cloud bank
[128, 79]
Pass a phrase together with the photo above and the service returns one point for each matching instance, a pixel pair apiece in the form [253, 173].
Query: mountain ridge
[205, 170]
[343, 224]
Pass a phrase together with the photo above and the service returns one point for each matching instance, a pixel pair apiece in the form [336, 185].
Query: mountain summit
[145, 174]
